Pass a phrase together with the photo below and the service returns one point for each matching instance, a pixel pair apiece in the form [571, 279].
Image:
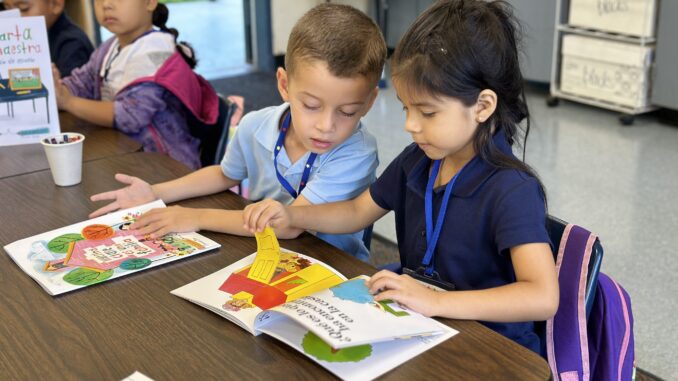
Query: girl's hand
[137, 192]
[63, 94]
[161, 221]
[268, 212]
[406, 291]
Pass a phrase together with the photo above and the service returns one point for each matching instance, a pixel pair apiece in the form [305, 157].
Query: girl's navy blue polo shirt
[490, 211]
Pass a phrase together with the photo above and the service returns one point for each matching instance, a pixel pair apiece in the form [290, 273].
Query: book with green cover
[100, 249]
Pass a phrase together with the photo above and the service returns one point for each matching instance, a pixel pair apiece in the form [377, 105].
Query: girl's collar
[146, 33]
[475, 173]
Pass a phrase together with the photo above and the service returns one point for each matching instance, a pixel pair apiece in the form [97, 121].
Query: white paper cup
[64, 154]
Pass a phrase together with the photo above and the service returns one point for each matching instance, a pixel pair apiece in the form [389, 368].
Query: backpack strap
[566, 333]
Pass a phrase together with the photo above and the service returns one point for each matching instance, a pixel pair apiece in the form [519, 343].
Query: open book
[100, 249]
[315, 310]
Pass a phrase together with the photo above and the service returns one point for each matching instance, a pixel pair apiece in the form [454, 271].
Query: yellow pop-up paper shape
[268, 256]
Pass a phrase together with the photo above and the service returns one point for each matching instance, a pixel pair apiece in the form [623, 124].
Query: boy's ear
[283, 84]
[370, 100]
[485, 105]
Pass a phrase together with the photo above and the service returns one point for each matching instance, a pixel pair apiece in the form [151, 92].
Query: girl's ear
[485, 105]
[283, 83]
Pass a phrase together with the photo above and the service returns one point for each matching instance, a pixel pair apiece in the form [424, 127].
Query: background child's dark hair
[160, 16]
[457, 48]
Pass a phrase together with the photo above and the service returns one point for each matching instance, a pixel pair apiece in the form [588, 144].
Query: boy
[69, 47]
[311, 149]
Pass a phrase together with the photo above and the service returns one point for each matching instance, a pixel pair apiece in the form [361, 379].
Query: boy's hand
[404, 290]
[161, 221]
[63, 95]
[265, 213]
[137, 192]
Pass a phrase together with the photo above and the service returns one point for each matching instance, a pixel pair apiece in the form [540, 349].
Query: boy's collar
[474, 174]
[268, 136]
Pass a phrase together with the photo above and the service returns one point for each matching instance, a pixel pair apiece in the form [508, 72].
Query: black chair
[213, 138]
[367, 236]
[226, 111]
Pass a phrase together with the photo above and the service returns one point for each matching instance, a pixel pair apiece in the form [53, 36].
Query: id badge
[429, 280]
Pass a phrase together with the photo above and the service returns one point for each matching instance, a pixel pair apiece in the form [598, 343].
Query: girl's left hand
[161, 221]
[406, 291]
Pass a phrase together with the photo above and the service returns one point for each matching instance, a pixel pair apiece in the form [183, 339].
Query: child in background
[310, 150]
[470, 216]
[141, 82]
[69, 46]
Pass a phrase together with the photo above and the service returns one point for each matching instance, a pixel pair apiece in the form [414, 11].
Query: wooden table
[100, 142]
[108, 331]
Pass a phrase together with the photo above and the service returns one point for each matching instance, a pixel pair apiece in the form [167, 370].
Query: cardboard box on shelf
[631, 17]
[610, 71]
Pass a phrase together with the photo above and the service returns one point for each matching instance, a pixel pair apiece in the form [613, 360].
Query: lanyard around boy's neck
[307, 168]
[431, 234]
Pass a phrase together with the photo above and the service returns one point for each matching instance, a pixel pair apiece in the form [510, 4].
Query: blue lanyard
[433, 235]
[307, 167]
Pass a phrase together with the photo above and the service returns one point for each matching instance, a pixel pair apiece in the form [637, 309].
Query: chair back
[226, 109]
[213, 138]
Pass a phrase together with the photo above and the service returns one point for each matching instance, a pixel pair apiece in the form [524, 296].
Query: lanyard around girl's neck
[276, 151]
[431, 234]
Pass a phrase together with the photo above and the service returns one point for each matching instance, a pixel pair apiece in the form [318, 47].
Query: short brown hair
[341, 36]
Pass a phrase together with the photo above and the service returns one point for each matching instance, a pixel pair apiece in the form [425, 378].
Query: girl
[470, 216]
[141, 82]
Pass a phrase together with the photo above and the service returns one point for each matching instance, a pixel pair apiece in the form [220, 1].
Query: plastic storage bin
[609, 71]
[631, 17]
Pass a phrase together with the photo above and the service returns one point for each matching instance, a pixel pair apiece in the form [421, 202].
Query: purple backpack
[600, 348]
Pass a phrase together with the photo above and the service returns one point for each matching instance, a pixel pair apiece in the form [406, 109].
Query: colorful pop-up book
[313, 308]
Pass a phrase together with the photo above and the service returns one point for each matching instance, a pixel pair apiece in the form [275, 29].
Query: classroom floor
[619, 182]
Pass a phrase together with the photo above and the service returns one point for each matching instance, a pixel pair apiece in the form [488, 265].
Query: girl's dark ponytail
[160, 17]
[457, 48]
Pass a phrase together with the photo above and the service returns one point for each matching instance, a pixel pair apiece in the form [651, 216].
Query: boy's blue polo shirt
[490, 211]
[340, 174]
